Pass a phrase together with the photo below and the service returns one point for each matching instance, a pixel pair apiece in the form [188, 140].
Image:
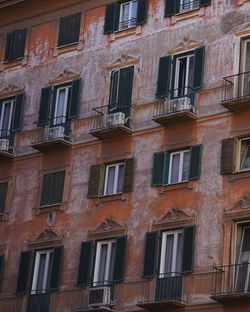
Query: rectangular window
[179, 166]
[244, 79]
[3, 196]
[188, 5]
[244, 151]
[15, 45]
[114, 179]
[69, 29]
[63, 95]
[6, 114]
[128, 14]
[52, 188]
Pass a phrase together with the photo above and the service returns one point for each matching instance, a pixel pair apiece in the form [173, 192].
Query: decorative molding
[241, 30]
[185, 45]
[10, 90]
[243, 203]
[65, 76]
[122, 61]
[107, 228]
[48, 238]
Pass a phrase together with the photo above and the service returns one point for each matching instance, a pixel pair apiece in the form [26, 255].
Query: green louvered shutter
[195, 162]
[2, 257]
[188, 249]
[128, 175]
[117, 15]
[46, 189]
[85, 263]
[74, 103]
[56, 267]
[18, 113]
[44, 106]
[228, 156]
[120, 254]
[150, 254]
[96, 177]
[69, 30]
[158, 165]
[24, 272]
[164, 73]
[7, 46]
[109, 18]
[57, 187]
[199, 55]
[125, 89]
[3, 196]
[142, 12]
[166, 168]
[170, 8]
[204, 3]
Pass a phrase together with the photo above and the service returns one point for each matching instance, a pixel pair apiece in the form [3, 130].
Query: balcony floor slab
[173, 118]
[51, 144]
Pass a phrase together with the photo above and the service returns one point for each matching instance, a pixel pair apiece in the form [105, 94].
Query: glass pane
[245, 251]
[134, 9]
[179, 253]
[40, 276]
[245, 154]
[102, 263]
[120, 179]
[110, 180]
[182, 76]
[49, 271]
[125, 12]
[175, 168]
[59, 113]
[169, 254]
[6, 118]
[112, 262]
[185, 170]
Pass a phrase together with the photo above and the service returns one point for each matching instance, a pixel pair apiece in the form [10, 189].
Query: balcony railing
[38, 301]
[127, 24]
[231, 282]
[6, 143]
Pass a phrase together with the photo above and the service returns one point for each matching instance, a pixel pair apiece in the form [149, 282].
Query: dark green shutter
[170, 7]
[204, 3]
[56, 267]
[7, 46]
[198, 67]
[164, 73]
[128, 175]
[109, 18]
[142, 12]
[69, 30]
[195, 162]
[85, 263]
[95, 180]
[188, 249]
[18, 113]
[75, 99]
[3, 196]
[228, 156]
[1, 266]
[24, 272]
[44, 106]
[46, 189]
[158, 165]
[113, 101]
[150, 254]
[120, 254]
[125, 89]
[57, 187]
[16, 44]
[117, 15]
[166, 168]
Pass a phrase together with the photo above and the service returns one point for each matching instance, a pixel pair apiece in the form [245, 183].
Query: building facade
[124, 155]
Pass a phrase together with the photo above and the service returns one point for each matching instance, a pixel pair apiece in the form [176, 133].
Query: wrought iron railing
[127, 23]
[236, 87]
[231, 280]
[188, 5]
[39, 301]
[56, 128]
[7, 140]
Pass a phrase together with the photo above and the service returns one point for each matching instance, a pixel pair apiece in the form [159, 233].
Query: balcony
[164, 292]
[231, 283]
[177, 107]
[38, 301]
[236, 92]
[106, 123]
[6, 144]
[56, 135]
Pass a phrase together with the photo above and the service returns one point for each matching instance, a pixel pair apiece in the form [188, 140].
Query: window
[184, 74]
[176, 166]
[110, 179]
[6, 117]
[63, 95]
[125, 15]
[69, 29]
[174, 7]
[244, 154]
[244, 79]
[3, 196]
[188, 5]
[15, 45]
[52, 189]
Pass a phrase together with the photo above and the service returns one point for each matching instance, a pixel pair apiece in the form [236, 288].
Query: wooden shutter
[164, 73]
[195, 162]
[17, 44]
[1, 266]
[188, 249]
[56, 267]
[3, 196]
[142, 12]
[128, 175]
[46, 190]
[109, 18]
[117, 15]
[150, 254]
[44, 106]
[96, 180]
[228, 156]
[18, 113]
[69, 30]
[158, 165]
[125, 89]
[7, 46]
[113, 101]
[85, 263]
[170, 8]
[198, 67]
[166, 168]
[24, 272]
[204, 3]
[120, 253]
[75, 99]
[57, 186]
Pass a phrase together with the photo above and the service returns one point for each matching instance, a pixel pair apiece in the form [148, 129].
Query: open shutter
[24, 272]
[128, 175]
[150, 254]
[44, 106]
[56, 267]
[170, 8]
[228, 156]
[195, 162]
[142, 12]
[96, 180]
[3, 196]
[57, 187]
[164, 72]
[188, 249]
[7, 46]
[1, 266]
[198, 67]
[46, 190]
[120, 253]
[75, 99]
[125, 89]
[158, 165]
[109, 18]
[204, 3]
[18, 113]
[85, 263]
[166, 168]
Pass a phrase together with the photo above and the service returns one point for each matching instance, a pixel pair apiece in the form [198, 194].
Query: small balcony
[106, 123]
[39, 301]
[6, 144]
[178, 107]
[57, 134]
[231, 283]
[236, 92]
[164, 292]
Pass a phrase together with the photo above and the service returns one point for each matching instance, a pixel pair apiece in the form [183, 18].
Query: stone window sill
[239, 175]
[176, 186]
[124, 33]
[187, 15]
[47, 209]
[67, 48]
[110, 198]
[13, 63]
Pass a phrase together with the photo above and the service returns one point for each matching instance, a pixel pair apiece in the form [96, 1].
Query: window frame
[193, 5]
[12, 104]
[180, 168]
[67, 89]
[238, 155]
[115, 184]
[131, 23]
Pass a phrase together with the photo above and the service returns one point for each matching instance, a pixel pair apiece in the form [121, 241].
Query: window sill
[239, 175]
[47, 209]
[176, 186]
[125, 32]
[68, 48]
[110, 198]
[13, 63]
[187, 15]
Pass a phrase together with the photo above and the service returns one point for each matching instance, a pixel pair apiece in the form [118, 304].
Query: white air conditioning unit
[4, 145]
[180, 104]
[56, 133]
[99, 296]
[115, 119]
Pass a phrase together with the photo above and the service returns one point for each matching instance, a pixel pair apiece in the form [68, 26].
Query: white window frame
[4, 103]
[65, 104]
[238, 156]
[36, 270]
[129, 20]
[181, 153]
[97, 261]
[117, 90]
[193, 5]
[115, 185]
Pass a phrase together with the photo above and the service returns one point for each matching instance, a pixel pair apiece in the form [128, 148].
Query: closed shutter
[75, 99]
[113, 99]
[128, 175]
[46, 189]
[17, 44]
[69, 29]
[142, 12]
[120, 253]
[44, 106]
[85, 263]
[57, 187]
[170, 7]
[1, 266]
[158, 165]
[204, 3]
[18, 113]
[228, 156]
[198, 67]
[7, 46]
[24, 272]
[96, 180]
[150, 254]
[188, 249]
[164, 73]
[125, 89]
[109, 18]
[3, 196]
[195, 162]
[56, 267]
